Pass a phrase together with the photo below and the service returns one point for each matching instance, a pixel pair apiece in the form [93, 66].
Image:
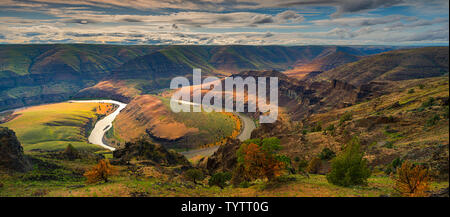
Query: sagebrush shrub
[349, 168]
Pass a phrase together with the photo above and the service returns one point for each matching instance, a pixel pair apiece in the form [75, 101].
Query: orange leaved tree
[258, 161]
[100, 172]
[412, 180]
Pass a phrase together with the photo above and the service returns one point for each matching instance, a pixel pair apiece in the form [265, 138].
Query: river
[247, 127]
[103, 125]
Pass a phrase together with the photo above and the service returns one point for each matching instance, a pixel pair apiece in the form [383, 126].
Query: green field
[53, 126]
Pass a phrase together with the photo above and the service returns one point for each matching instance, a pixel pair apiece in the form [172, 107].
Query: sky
[221, 22]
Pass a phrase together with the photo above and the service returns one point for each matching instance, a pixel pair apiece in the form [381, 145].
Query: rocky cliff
[11, 152]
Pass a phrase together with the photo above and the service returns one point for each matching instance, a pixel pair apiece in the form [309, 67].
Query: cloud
[441, 35]
[289, 16]
[348, 6]
[131, 20]
[263, 22]
[417, 23]
[81, 21]
[364, 21]
[83, 34]
[262, 19]
[31, 34]
[268, 35]
[341, 33]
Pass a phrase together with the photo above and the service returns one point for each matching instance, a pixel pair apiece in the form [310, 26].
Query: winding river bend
[103, 125]
[247, 127]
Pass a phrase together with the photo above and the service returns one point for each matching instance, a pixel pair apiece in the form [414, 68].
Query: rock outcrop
[11, 152]
[223, 160]
[143, 150]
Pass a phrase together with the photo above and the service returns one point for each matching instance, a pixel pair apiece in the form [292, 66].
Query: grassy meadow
[53, 126]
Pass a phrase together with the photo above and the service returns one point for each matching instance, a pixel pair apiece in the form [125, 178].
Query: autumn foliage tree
[100, 172]
[258, 159]
[412, 180]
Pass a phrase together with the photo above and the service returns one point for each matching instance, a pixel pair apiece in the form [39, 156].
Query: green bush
[433, 120]
[244, 184]
[317, 127]
[389, 144]
[347, 116]
[220, 179]
[411, 91]
[287, 163]
[330, 128]
[302, 165]
[194, 175]
[327, 154]
[392, 167]
[428, 103]
[349, 168]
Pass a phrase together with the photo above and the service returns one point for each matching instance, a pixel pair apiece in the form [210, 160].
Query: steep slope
[155, 67]
[301, 98]
[410, 122]
[319, 65]
[147, 114]
[11, 152]
[32, 74]
[393, 66]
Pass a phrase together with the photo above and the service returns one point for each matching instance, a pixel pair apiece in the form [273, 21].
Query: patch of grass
[52, 127]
